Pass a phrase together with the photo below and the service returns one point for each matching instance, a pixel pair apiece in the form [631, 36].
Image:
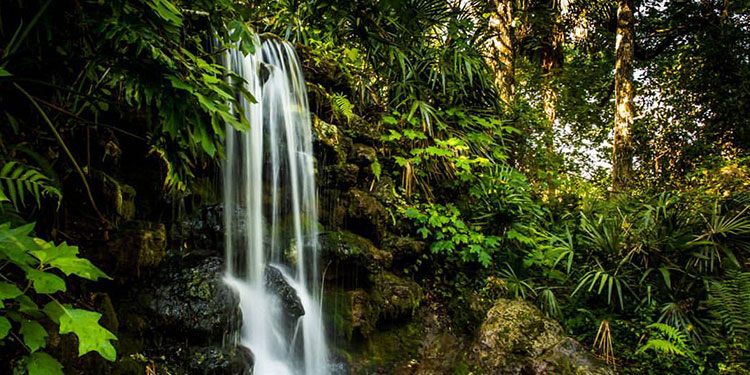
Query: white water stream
[270, 213]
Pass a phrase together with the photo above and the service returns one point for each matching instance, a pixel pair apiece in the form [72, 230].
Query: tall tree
[501, 46]
[552, 59]
[622, 151]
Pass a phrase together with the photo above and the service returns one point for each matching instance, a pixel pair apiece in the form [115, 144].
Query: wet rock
[516, 338]
[213, 360]
[191, 301]
[137, 246]
[202, 230]
[276, 283]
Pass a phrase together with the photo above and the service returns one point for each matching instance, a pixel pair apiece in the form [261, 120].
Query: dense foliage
[513, 195]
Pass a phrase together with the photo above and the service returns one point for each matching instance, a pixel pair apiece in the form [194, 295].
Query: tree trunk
[501, 48]
[622, 152]
[551, 63]
[552, 60]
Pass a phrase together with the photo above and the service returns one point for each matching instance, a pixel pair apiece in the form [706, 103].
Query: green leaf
[44, 282]
[65, 258]
[4, 73]
[91, 335]
[54, 311]
[34, 335]
[376, 169]
[9, 291]
[4, 327]
[41, 363]
[26, 305]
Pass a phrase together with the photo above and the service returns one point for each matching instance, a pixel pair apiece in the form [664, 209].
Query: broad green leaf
[54, 311]
[4, 327]
[9, 291]
[4, 73]
[44, 282]
[34, 335]
[41, 363]
[91, 335]
[26, 305]
[80, 267]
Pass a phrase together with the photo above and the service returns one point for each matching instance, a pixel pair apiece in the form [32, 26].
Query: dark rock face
[195, 300]
[203, 230]
[182, 319]
[290, 300]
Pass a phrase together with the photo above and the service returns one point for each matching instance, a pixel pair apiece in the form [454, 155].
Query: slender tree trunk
[552, 60]
[622, 152]
[501, 48]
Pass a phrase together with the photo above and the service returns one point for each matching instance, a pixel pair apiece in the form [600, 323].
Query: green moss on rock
[516, 338]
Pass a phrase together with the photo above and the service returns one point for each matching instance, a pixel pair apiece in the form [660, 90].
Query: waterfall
[270, 212]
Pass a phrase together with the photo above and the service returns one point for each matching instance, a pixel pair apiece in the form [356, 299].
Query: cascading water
[271, 213]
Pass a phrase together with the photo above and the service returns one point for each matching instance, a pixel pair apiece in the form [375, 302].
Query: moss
[352, 250]
[387, 348]
[397, 297]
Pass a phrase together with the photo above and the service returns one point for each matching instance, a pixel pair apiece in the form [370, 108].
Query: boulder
[276, 283]
[187, 302]
[517, 339]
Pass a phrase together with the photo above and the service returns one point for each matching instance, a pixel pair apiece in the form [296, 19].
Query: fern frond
[730, 303]
[669, 340]
[341, 106]
[17, 181]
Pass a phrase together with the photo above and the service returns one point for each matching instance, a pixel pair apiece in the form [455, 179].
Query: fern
[670, 341]
[18, 181]
[730, 303]
[341, 106]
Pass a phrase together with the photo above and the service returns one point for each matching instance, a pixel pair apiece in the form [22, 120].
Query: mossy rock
[359, 312]
[354, 252]
[331, 144]
[516, 338]
[388, 349]
[342, 176]
[396, 297]
[367, 216]
[137, 246]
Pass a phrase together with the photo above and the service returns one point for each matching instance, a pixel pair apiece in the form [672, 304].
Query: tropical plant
[30, 270]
